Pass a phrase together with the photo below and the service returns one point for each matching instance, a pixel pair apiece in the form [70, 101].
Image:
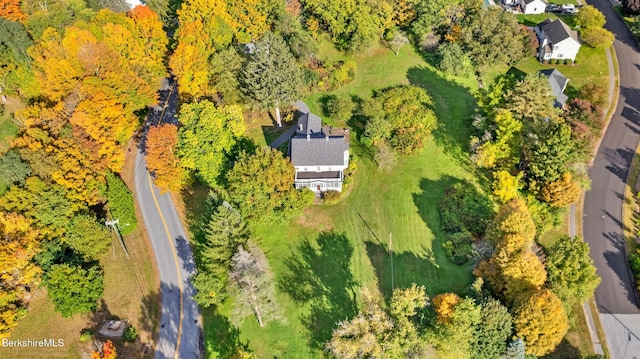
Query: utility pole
[113, 225]
[391, 254]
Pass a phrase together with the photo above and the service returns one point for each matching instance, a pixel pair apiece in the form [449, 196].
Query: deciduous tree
[560, 192]
[597, 37]
[454, 338]
[453, 61]
[261, 185]
[589, 17]
[19, 243]
[540, 320]
[548, 151]
[271, 76]
[88, 237]
[162, 160]
[505, 186]
[406, 112]
[572, 275]
[252, 281]
[73, 289]
[10, 10]
[206, 137]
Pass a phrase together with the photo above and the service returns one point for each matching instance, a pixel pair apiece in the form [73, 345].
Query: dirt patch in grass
[314, 218]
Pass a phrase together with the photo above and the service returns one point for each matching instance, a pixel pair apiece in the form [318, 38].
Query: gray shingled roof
[557, 31]
[318, 151]
[311, 124]
[530, 1]
[558, 83]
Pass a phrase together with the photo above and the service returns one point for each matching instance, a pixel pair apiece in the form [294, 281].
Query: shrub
[331, 196]
[340, 107]
[463, 208]
[634, 263]
[85, 335]
[458, 248]
[130, 334]
[568, 62]
[342, 74]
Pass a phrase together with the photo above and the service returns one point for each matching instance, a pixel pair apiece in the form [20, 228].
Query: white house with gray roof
[532, 7]
[320, 154]
[557, 41]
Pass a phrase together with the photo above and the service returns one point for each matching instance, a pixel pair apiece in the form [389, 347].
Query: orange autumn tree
[108, 351]
[100, 73]
[162, 161]
[10, 10]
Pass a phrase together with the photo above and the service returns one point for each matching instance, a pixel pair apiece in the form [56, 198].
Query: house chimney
[308, 137]
[301, 127]
[326, 138]
[346, 134]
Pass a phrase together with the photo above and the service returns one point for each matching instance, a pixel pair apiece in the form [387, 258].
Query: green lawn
[323, 258]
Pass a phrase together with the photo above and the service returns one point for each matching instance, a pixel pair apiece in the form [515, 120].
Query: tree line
[86, 75]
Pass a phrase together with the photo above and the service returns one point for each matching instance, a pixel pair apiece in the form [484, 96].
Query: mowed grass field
[326, 256]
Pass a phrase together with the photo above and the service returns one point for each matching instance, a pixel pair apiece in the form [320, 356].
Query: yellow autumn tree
[445, 305]
[19, 243]
[505, 186]
[540, 320]
[561, 192]
[512, 217]
[99, 74]
[205, 26]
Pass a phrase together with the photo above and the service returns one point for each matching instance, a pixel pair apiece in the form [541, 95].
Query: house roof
[318, 175]
[557, 31]
[309, 124]
[318, 151]
[527, 2]
[558, 83]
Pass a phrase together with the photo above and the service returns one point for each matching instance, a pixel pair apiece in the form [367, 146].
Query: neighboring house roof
[318, 151]
[557, 31]
[309, 124]
[558, 83]
[527, 2]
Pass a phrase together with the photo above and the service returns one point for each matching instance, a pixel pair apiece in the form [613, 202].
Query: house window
[318, 168]
[560, 56]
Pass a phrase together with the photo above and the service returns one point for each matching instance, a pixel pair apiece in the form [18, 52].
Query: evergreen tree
[225, 232]
[13, 169]
[121, 204]
[492, 332]
[272, 76]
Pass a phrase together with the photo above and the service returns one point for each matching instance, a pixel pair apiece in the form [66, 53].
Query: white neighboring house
[557, 41]
[320, 154]
[532, 7]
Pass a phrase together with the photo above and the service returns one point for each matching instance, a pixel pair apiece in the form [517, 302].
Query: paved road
[179, 334]
[602, 226]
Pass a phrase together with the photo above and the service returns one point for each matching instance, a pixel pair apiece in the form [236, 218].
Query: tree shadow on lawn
[220, 337]
[454, 106]
[319, 276]
[564, 350]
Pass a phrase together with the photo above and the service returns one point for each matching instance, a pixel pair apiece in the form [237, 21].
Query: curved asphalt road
[616, 298]
[179, 331]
